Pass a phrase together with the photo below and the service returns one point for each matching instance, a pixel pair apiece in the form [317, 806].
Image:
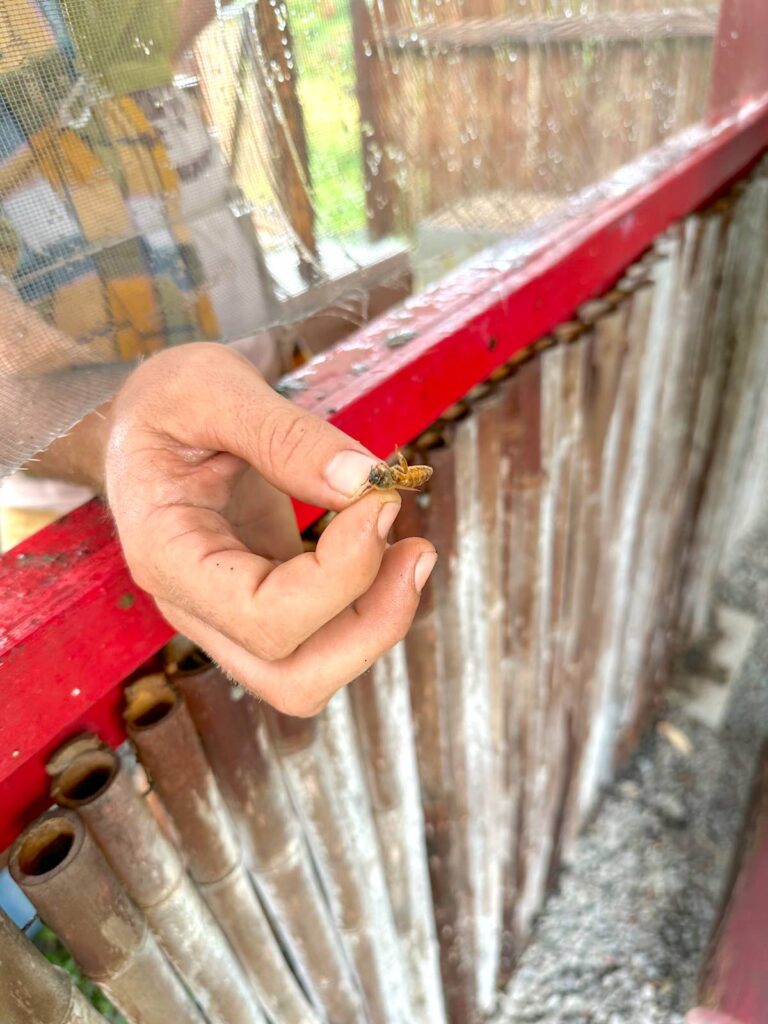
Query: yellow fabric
[125, 45]
[134, 310]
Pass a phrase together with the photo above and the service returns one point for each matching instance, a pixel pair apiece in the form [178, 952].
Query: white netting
[180, 169]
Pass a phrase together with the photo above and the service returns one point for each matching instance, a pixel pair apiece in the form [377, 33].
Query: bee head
[380, 476]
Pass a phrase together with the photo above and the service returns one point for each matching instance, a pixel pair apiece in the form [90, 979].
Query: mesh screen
[178, 169]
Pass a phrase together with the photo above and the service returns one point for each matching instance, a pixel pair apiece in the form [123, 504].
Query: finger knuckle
[272, 647]
[299, 704]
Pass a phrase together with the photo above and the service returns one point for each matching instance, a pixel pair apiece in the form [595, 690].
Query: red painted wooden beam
[736, 979]
[72, 625]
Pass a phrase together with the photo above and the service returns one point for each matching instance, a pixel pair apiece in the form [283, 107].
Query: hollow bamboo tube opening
[65, 875]
[181, 655]
[153, 714]
[149, 701]
[46, 847]
[86, 778]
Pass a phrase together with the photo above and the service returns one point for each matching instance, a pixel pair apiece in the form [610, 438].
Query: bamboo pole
[381, 704]
[69, 882]
[432, 670]
[32, 989]
[345, 813]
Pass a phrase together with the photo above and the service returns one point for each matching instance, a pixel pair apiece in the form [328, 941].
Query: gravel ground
[622, 940]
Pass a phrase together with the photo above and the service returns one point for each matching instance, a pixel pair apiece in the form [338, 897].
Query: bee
[401, 477]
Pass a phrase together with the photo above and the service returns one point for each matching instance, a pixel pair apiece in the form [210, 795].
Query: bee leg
[402, 461]
[361, 491]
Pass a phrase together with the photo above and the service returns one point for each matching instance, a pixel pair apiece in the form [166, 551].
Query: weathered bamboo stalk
[598, 760]
[338, 747]
[67, 879]
[547, 776]
[91, 779]
[160, 726]
[247, 769]
[326, 783]
[521, 471]
[32, 989]
[666, 527]
[380, 700]
[490, 601]
[436, 711]
[606, 361]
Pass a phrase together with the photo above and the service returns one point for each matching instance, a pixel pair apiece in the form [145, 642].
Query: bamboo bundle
[238, 747]
[92, 780]
[67, 879]
[741, 378]
[600, 472]
[162, 731]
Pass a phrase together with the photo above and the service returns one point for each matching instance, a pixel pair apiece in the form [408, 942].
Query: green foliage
[322, 34]
[56, 953]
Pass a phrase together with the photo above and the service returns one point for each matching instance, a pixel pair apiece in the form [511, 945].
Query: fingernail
[348, 471]
[423, 570]
[387, 516]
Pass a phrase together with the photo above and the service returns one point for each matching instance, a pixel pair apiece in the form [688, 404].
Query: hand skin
[197, 456]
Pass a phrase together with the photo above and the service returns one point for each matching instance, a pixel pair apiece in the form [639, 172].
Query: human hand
[200, 458]
[262, 350]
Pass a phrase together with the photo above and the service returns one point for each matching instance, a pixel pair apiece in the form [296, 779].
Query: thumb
[204, 398]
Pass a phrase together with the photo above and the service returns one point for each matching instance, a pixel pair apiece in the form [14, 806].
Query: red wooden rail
[72, 624]
[736, 978]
